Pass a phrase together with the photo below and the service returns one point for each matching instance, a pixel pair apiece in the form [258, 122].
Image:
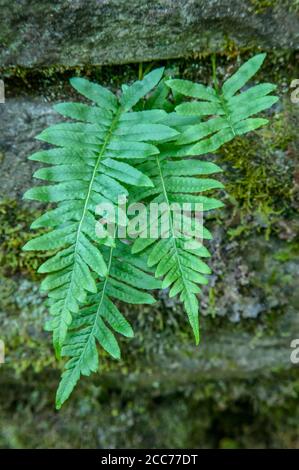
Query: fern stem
[97, 315]
[103, 149]
[220, 96]
[214, 72]
[140, 71]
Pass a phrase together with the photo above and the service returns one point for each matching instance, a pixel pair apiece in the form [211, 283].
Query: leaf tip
[26, 247]
[74, 81]
[34, 225]
[27, 194]
[41, 136]
[58, 404]
[147, 182]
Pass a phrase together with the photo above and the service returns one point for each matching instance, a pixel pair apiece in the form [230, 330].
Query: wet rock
[117, 31]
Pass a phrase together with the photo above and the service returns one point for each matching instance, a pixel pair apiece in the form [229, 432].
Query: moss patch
[260, 178]
[14, 233]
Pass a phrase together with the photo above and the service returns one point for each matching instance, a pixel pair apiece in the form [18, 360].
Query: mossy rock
[239, 388]
[111, 32]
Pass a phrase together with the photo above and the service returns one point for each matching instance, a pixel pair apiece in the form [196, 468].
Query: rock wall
[35, 33]
[239, 388]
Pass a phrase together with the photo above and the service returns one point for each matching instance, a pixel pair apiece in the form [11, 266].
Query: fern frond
[121, 146]
[88, 169]
[231, 108]
[126, 280]
[176, 260]
[180, 180]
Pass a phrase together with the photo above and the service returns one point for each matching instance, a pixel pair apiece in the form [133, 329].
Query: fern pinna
[176, 179]
[116, 145]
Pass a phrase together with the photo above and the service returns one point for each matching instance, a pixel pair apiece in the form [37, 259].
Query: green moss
[53, 81]
[248, 413]
[259, 180]
[288, 253]
[232, 50]
[14, 233]
[294, 6]
[261, 6]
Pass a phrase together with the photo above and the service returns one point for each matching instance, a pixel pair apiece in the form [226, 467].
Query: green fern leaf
[173, 259]
[176, 180]
[232, 112]
[126, 280]
[86, 169]
[112, 149]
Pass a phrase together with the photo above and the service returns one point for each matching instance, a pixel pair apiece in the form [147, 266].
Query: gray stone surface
[20, 121]
[35, 33]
